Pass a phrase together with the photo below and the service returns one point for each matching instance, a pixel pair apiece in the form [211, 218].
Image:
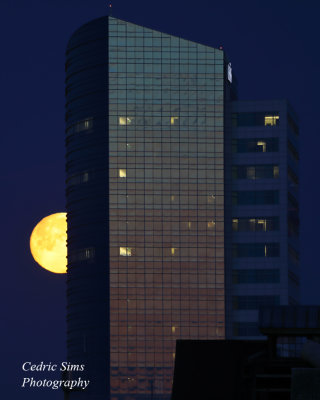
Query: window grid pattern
[166, 133]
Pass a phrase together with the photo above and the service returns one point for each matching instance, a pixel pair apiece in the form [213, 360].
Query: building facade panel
[166, 203]
[264, 162]
[183, 212]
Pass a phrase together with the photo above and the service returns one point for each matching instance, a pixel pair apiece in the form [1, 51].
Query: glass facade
[182, 206]
[166, 203]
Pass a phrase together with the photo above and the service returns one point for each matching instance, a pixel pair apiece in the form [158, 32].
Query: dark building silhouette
[283, 367]
[179, 205]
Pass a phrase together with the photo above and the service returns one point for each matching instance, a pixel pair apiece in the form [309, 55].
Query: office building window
[125, 251]
[256, 224]
[258, 197]
[125, 121]
[174, 120]
[254, 302]
[255, 276]
[271, 120]
[255, 172]
[174, 251]
[255, 119]
[77, 179]
[254, 145]
[122, 173]
[255, 250]
[80, 126]
[81, 255]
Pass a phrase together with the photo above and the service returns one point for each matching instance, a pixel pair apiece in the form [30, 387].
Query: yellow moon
[48, 243]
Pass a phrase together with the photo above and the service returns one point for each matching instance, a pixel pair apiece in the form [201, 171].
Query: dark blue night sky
[274, 49]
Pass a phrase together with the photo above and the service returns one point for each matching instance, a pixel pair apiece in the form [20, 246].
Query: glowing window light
[125, 121]
[263, 145]
[271, 120]
[125, 251]
[122, 173]
[173, 251]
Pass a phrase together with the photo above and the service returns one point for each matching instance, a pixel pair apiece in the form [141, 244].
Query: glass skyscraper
[151, 205]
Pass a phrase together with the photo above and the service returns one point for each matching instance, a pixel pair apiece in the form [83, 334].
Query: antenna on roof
[110, 8]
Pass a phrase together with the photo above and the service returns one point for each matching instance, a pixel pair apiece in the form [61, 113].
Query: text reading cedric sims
[64, 366]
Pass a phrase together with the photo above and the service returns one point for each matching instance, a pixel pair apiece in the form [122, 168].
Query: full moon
[48, 243]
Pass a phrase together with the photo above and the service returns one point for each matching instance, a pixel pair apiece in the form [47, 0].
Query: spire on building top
[110, 8]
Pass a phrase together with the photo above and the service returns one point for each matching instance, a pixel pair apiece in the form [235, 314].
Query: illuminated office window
[235, 224]
[255, 224]
[173, 329]
[276, 171]
[173, 251]
[122, 173]
[271, 120]
[125, 121]
[125, 251]
[262, 145]
[174, 120]
[261, 224]
[211, 224]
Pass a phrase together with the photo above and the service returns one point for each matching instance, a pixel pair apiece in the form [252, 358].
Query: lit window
[174, 120]
[173, 251]
[271, 120]
[125, 121]
[189, 225]
[262, 224]
[172, 198]
[235, 223]
[263, 146]
[174, 356]
[211, 224]
[125, 251]
[122, 173]
[275, 171]
[173, 329]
